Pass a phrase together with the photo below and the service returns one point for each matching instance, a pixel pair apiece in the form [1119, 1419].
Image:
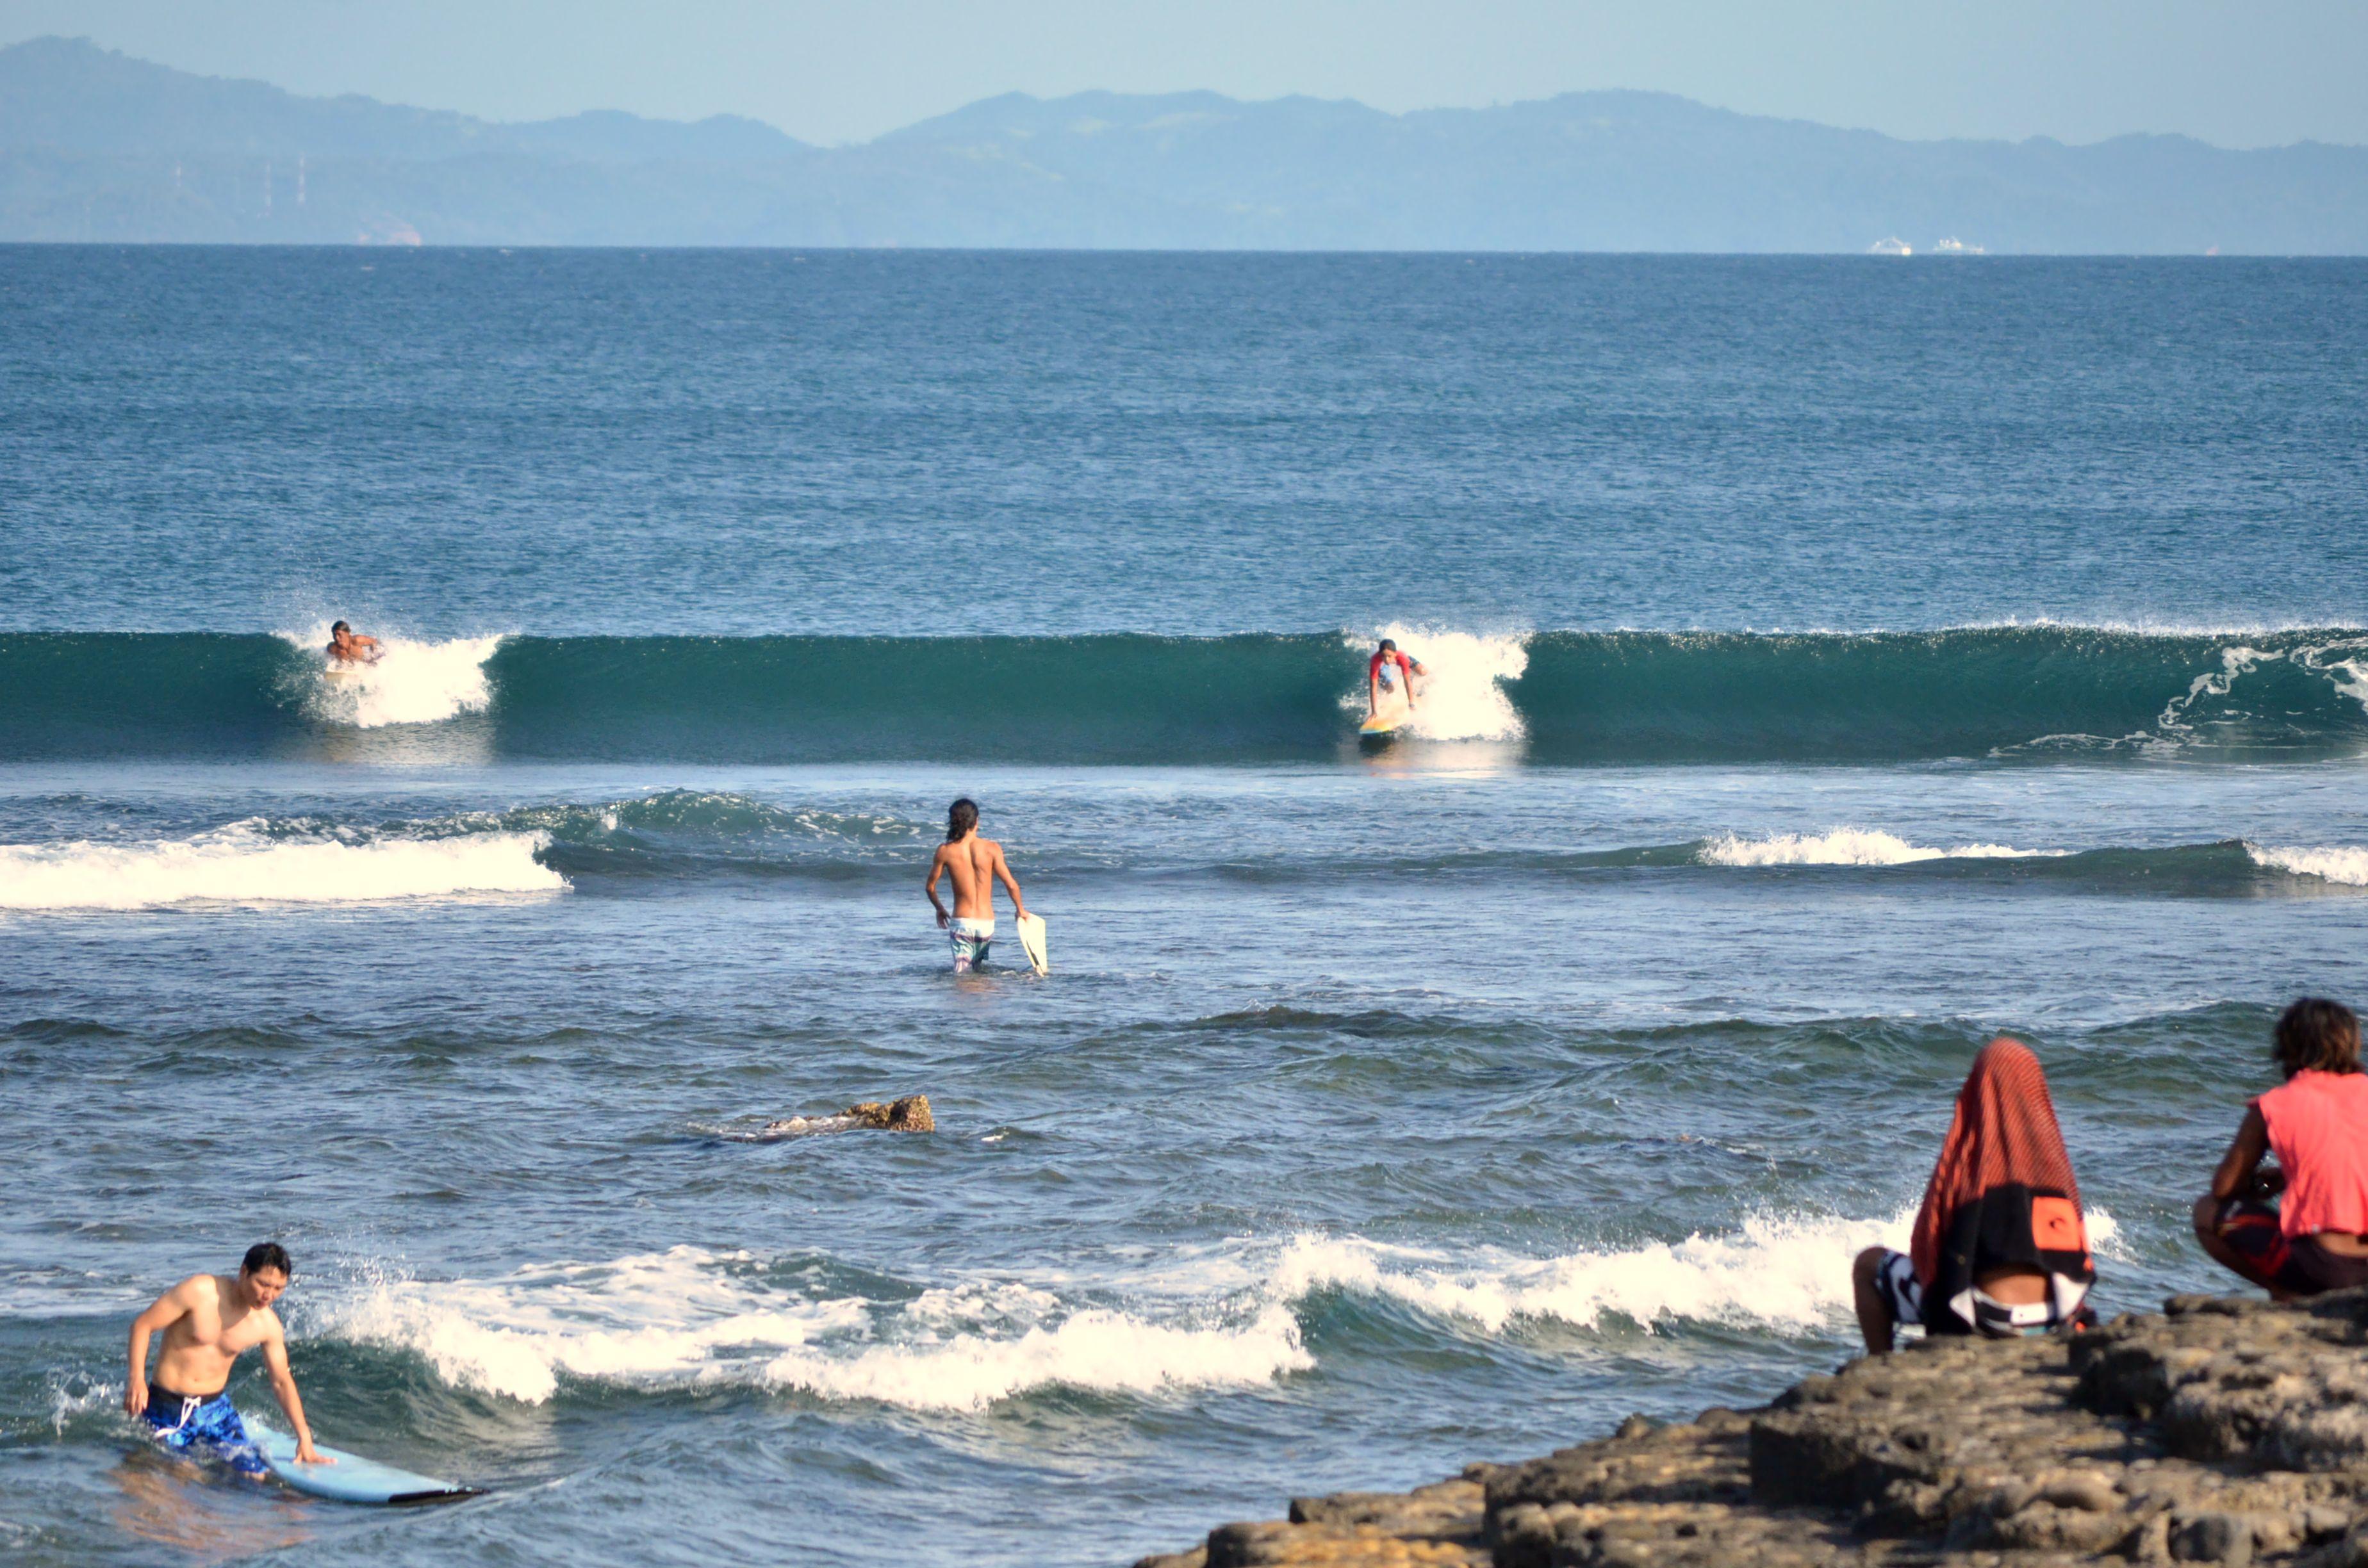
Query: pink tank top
[2319, 1128]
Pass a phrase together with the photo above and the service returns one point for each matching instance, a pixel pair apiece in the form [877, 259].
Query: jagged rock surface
[2219, 1430]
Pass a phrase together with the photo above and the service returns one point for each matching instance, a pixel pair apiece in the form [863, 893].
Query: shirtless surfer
[973, 863]
[209, 1320]
[1390, 673]
[349, 647]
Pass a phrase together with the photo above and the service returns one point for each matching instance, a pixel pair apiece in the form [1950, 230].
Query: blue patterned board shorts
[205, 1427]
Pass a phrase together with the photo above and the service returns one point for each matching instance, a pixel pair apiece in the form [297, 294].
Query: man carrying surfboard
[209, 1321]
[1389, 677]
[973, 863]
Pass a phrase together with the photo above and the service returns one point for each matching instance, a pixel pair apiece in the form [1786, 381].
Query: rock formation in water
[2220, 1430]
[908, 1114]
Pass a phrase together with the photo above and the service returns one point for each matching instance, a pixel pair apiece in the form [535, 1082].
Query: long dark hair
[960, 817]
[2316, 1035]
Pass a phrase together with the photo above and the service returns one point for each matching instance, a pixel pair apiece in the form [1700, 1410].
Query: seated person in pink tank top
[2316, 1236]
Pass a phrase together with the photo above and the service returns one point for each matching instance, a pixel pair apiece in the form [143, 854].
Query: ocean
[1834, 662]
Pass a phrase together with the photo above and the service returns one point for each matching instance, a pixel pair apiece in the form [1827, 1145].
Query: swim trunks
[1902, 1292]
[2297, 1265]
[204, 1426]
[970, 940]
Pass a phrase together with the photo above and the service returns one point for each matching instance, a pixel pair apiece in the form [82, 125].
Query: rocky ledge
[2219, 1430]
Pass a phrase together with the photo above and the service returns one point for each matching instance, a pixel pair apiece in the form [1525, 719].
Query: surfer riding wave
[1389, 681]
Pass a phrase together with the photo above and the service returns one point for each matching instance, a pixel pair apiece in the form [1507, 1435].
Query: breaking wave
[688, 1316]
[411, 682]
[1561, 697]
[247, 862]
[1849, 846]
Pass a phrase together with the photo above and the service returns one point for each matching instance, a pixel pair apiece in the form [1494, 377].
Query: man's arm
[1373, 692]
[2236, 1177]
[283, 1385]
[937, 870]
[1002, 869]
[163, 1313]
[1414, 669]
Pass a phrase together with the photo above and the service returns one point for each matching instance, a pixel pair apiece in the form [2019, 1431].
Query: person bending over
[2310, 1239]
[973, 863]
[209, 1321]
[347, 646]
[1389, 678]
[2000, 1248]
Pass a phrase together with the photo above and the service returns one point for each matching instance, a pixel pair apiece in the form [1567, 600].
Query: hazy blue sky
[2240, 75]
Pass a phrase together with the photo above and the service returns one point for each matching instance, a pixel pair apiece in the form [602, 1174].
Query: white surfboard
[352, 1479]
[1031, 942]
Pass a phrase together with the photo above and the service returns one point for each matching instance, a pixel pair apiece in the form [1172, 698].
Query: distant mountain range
[96, 146]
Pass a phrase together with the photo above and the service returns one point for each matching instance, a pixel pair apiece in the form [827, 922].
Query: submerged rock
[2219, 1430]
[910, 1114]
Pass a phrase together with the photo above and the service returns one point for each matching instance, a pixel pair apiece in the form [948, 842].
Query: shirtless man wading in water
[973, 863]
[209, 1320]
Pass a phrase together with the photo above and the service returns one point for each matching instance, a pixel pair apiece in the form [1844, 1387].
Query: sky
[2261, 74]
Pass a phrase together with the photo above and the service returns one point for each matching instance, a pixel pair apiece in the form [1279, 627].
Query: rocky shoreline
[2222, 1429]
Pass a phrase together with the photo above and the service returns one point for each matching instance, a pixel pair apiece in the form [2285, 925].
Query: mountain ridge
[97, 146]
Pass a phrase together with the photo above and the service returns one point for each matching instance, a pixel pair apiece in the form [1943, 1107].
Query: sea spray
[1463, 693]
[1231, 1318]
[688, 1316]
[2344, 864]
[410, 681]
[247, 863]
[1849, 846]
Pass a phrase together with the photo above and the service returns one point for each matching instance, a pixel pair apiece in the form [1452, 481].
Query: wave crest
[246, 863]
[1849, 846]
[411, 681]
[2338, 863]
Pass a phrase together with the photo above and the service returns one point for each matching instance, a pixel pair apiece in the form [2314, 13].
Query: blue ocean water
[1834, 662]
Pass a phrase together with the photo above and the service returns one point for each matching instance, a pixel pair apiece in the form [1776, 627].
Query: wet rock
[2219, 1430]
[910, 1114]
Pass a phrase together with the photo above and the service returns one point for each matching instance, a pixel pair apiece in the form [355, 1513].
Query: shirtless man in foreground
[347, 646]
[210, 1319]
[973, 863]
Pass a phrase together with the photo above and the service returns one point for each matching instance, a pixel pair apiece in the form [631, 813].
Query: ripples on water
[1381, 1112]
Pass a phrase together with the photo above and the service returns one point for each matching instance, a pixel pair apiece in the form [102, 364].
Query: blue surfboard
[352, 1479]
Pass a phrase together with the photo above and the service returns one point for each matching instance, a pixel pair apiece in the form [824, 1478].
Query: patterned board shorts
[204, 1427]
[970, 941]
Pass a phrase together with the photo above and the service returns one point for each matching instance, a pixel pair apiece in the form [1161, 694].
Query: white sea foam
[413, 682]
[688, 1316]
[1462, 693]
[1218, 1318]
[2338, 863]
[1790, 1274]
[652, 1317]
[1093, 1348]
[245, 863]
[1849, 846]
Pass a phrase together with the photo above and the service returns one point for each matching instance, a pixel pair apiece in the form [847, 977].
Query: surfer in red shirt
[1390, 673]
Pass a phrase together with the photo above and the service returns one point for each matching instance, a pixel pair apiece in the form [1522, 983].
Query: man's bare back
[972, 866]
[975, 863]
